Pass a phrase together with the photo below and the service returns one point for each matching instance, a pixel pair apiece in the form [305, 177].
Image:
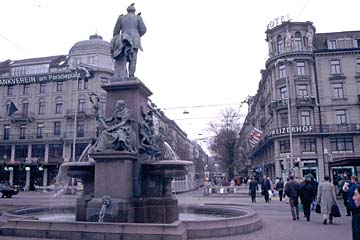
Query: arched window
[280, 44]
[41, 106]
[298, 41]
[58, 105]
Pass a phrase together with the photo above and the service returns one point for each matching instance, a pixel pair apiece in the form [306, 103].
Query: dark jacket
[253, 186]
[314, 185]
[307, 193]
[356, 226]
[292, 188]
[351, 194]
[265, 185]
[279, 186]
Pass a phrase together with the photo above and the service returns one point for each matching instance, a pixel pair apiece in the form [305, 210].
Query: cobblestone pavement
[278, 223]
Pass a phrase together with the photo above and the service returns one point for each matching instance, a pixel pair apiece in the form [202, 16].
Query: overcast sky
[196, 52]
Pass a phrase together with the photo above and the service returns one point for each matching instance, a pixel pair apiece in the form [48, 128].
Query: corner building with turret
[307, 105]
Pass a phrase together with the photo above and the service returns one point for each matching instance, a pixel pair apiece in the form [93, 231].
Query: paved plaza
[278, 223]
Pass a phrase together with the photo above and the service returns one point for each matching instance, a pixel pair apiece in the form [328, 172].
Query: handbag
[335, 211]
[318, 208]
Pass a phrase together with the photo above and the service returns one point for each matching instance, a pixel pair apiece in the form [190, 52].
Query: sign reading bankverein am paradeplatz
[286, 130]
[38, 78]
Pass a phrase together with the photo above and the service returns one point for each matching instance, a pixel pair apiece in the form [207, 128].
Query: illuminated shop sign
[286, 130]
[37, 78]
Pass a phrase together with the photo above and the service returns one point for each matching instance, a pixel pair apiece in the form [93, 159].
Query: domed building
[54, 114]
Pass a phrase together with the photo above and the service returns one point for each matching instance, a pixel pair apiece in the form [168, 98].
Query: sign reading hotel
[38, 78]
[286, 130]
[277, 21]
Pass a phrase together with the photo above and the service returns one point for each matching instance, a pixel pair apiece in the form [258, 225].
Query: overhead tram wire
[16, 46]
[204, 106]
[302, 9]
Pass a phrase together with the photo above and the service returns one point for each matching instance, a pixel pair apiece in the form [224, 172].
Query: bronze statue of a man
[126, 42]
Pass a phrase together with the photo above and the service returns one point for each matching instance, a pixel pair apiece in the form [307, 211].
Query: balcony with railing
[279, 104]
[305, 101]
[23, 117]
[86, 112]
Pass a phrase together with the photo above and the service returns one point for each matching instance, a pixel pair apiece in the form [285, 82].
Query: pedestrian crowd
[313, 196]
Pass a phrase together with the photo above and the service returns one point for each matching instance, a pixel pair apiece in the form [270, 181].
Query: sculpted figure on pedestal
[126, 42]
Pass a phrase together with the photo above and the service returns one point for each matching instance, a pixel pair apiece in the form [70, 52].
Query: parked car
[7, 191]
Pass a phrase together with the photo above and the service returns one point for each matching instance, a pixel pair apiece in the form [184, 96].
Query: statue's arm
[141, 26]
[117, 27]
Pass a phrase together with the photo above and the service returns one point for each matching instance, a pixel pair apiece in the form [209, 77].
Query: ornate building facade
[307, 104]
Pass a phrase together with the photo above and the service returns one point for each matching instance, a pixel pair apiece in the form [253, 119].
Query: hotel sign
[286, 130]
[38, 78]
[277, 21]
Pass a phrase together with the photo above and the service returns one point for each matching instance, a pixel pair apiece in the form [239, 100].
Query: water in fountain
[102, 213]
[169, 153]
[62, 180]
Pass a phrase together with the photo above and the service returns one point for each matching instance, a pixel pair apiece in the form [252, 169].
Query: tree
[225, 144]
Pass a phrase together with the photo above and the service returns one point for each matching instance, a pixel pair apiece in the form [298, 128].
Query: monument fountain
[127, 189]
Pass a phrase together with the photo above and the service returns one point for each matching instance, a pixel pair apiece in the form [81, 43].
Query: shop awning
[345, 161]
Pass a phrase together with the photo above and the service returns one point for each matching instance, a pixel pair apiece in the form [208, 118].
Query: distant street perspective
[97, 142]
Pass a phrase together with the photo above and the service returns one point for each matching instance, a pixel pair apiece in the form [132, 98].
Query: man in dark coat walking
[314, 184]
[253, 187]
[307, 196]
[280, 188]
[265, 187]
[292, 190]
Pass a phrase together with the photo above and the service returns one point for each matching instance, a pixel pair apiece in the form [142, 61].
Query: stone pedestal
[158, 205]
[135, 94]
[113, 178]
[85, 172]
[156, 210]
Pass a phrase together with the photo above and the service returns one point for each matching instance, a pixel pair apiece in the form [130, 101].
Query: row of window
[337, 91]
[58, 107]
[343, 43]
[305, 118]
[40, 130]
[38, 150]
[82, 85]
[309, 145]
[335, 68]
[30, 69]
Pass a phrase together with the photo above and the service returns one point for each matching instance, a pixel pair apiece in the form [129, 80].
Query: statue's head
[120, 104]
[131, 8]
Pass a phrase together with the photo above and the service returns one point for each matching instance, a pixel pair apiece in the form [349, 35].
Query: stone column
[29, 151]
[12, 157]
[27, 183]
[277, 168]
[45, 177]
[46, 158]
[11, 177]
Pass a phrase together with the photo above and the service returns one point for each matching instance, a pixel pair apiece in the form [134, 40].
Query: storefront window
[342, 144]
[21, 151]
[55, 150]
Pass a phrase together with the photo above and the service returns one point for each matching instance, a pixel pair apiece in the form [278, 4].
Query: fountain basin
[236, 220]
[79, 170]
